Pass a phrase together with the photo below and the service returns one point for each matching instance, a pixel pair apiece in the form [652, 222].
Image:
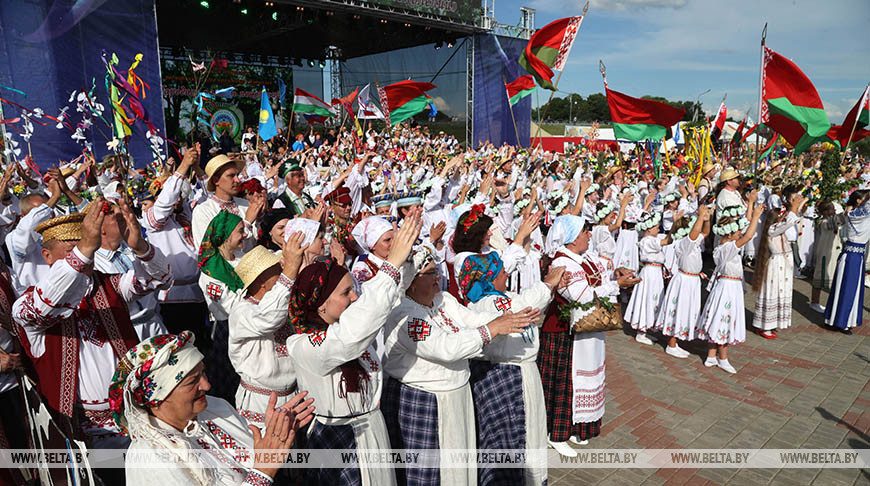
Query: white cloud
[627, 4]
[441, 104]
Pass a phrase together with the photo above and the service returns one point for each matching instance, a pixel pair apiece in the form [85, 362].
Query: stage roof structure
[305, 29]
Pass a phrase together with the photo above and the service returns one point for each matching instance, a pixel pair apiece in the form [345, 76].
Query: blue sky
[680, 48]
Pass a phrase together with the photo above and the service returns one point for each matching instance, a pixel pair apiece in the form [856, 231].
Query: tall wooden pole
[511, 108]
[760, 94]
[854, 125]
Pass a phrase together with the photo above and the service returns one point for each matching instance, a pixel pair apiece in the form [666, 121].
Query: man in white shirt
[223, 182]
[24, 244]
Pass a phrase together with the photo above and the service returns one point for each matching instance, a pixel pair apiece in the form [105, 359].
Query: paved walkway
[809, 389]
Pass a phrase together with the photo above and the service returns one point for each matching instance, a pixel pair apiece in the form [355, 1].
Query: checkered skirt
[554, 362]
[411, 416]
[332, 437]
[500, 416]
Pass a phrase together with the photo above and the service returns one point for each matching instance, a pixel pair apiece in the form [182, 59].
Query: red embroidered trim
[316, 338]
[502, 304]
[267, 391]
[286, 281]
[255, 478]
[419, 329]
[69, 349]
[77, 263]
[252, 416]
[367, 357]
[215, 291]
[149, 216]
[590, 373]
[240, 452]
[392, 271]
[104, 309]
[448, 321]
[148, 255]
[484, 334]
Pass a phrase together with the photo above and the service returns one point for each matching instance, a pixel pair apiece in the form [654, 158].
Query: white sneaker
[818, 308]
[643, 338]
[563, 448]
[574, 439]
[725, 365]
[710, 362]
[677, 352]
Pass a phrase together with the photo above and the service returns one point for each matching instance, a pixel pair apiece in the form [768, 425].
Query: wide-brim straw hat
[254, 263]
[64, 228]
[216, 163]
[728, 174]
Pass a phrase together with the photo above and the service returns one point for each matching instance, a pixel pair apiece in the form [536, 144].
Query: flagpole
[854, 125]
[760, 94]
[511, 108]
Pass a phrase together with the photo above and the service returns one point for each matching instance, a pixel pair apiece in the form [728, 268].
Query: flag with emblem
[548, 49]
[404, 99]
[857, 118]
[267, 128]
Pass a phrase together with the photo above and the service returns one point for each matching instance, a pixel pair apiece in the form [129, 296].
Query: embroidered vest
[58, 366]
[552, 321]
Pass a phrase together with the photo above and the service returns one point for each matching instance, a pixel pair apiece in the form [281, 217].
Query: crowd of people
[389, 291]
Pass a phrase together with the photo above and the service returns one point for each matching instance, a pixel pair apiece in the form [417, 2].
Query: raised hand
[292, 254]
[337, 251]
[92, 229]
[437, 231]
[403, 240]
[132, 232]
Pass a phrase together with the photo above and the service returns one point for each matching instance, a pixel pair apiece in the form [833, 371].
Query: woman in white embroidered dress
[259, 328]
[374, 235]
[335, 359]
[774, 271]
[183, 437]
[427, 400]
[646, 298]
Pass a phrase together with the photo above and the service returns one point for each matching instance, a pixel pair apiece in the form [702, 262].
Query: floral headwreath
[685, 230]
[603, 212]
[730, 228]
[473, 215]
[518, 207]
[732, 212]
[649, 221]
[562, 198]
[592, 188]
[670, 197]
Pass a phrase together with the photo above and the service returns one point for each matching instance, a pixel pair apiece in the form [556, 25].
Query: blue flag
[432, 110]
[267, 128]
[282, 91]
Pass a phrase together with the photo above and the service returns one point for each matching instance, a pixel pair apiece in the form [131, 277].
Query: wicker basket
[600, 319]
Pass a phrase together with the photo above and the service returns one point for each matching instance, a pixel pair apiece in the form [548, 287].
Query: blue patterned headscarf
[477, 274]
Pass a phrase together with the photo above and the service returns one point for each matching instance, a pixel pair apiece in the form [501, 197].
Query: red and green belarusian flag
[520, 88]
[313, 108]
[790, 105]
[638, 119]
[548, 49]
[857, 118]
[404, 99]
[769, 147]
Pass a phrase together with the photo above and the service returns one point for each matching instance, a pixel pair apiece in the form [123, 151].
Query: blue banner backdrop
[495, 60]
[50, 48]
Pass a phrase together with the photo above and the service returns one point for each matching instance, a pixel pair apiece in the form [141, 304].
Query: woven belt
[854, 247]
[652, 264]
[730, 277]
[266, 391]
[690, 274]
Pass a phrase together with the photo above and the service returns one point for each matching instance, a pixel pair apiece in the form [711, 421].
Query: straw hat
[614, 170]
[254, 263]
[64, 228]
[728, 174]
[216, 163]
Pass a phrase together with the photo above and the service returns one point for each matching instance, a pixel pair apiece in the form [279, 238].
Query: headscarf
[367, 232]
[211, 262]
[143, 378]
[565, 230]
[313, 286]
[477, 274]
[147, 374]
[270, 219]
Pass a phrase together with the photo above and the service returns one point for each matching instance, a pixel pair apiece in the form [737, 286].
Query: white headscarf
[367, 232]
[565, 230]
[308, 227]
